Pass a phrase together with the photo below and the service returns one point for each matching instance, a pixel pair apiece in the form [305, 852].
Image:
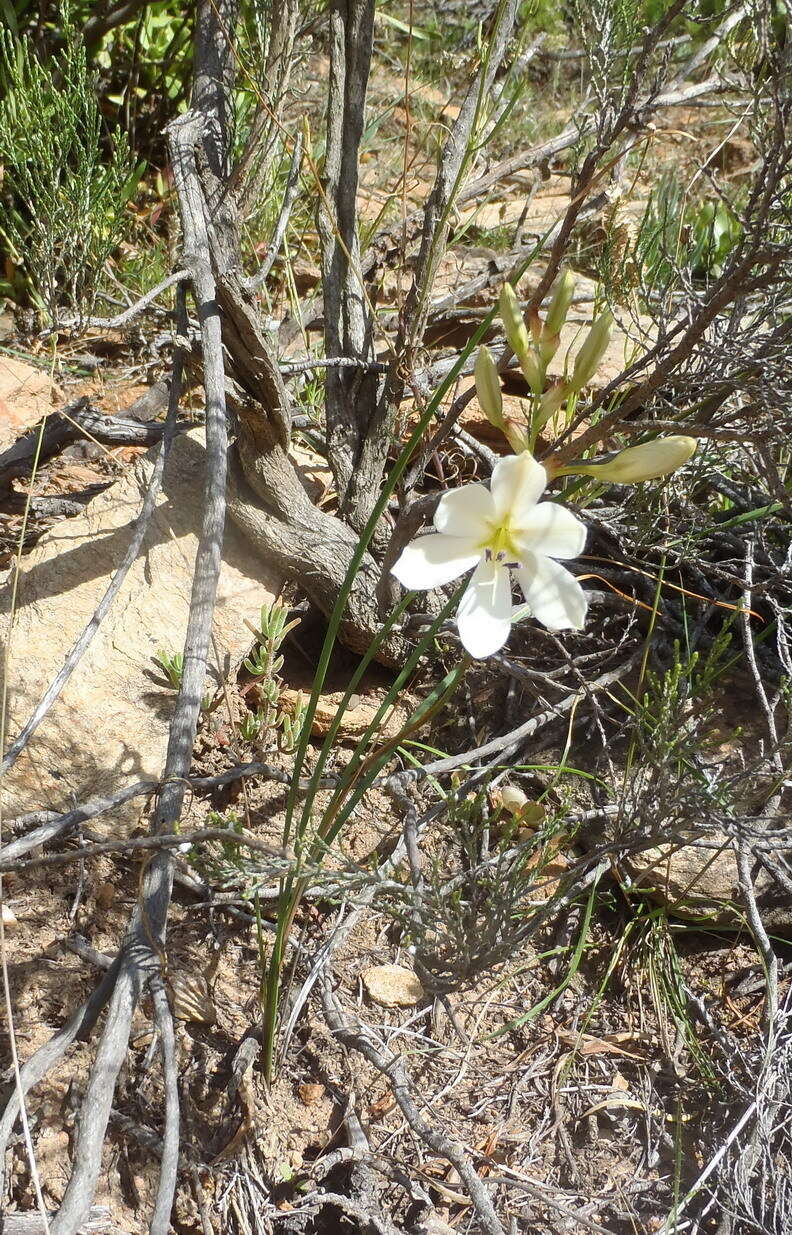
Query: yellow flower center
[499, 543]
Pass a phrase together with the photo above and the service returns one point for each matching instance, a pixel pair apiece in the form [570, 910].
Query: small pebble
[392, 986]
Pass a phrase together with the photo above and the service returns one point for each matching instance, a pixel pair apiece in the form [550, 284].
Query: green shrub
[66, 187]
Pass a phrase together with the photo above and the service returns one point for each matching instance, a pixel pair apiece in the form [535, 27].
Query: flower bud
[519, 339]
[513, 799]
[588, 358]
[513, 320]
[550, 337]
[551, 401]
[516, 435]
[563, 294]
[645, 462]
[548, 346]
[530, 815]
[488, 388]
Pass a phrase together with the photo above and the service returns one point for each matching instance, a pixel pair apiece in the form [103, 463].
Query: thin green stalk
[427, 708]
[261, 950]
[574, 965]
[750, 516]
[293, 886]
[645, 660]
[354, 682]
[351, 770]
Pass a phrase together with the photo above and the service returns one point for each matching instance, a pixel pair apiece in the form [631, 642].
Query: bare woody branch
[348, 320]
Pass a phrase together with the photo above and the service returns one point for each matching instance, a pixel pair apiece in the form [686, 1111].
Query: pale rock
[306, 276]
[545, 211]
[392, 986]
[695, 881]
[314, 471]
[110, 724]
[432, 1225]
[702, 884]
[360, 712]
[26, 394]
[310, 1093]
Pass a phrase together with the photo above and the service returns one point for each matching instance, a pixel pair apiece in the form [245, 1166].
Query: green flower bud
[563, 294]
[550, 337]
[516, 435]
[512, 318]
[594, 348]
[551, 401]
[488, 388]
[519, 339]
[548, 346]
[637, 463]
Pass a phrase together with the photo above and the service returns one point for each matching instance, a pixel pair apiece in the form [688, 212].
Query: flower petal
[556, 598]
[431, 561]
[551, 530]
[517, 484]
[468, 511]
[485, 610]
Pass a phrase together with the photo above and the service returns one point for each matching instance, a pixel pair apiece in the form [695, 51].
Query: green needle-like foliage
[66, 185]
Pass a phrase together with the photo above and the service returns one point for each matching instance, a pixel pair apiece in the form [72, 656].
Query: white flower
[497, 530]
